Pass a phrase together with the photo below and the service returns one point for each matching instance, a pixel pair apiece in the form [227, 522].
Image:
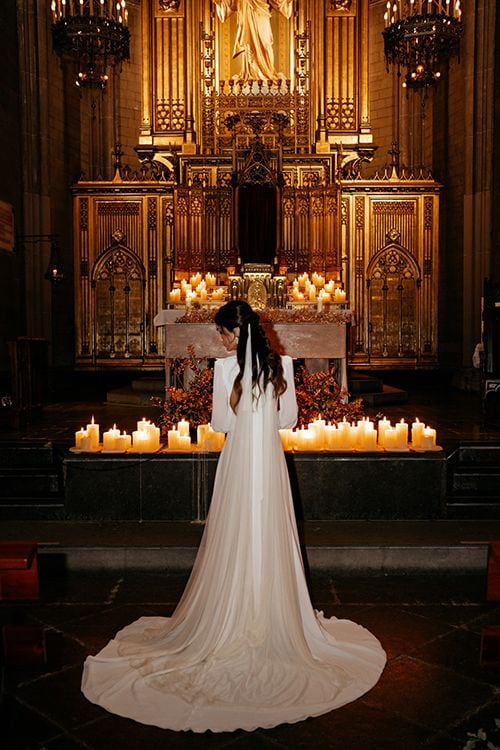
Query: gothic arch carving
[118, 281]
[393, 283]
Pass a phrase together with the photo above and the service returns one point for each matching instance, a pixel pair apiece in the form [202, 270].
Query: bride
[244, 648]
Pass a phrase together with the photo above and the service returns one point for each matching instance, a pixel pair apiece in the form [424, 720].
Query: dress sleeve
[287, 415]
[221, 410]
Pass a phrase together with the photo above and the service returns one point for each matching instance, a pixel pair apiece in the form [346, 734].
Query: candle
[318, 437]
[401, 435]
[183, 427]
[93, 434]
[109, 439]
[383, 425]
[173, 440]
[417, 431]
[390, 440]
[79, 436]
[123, 442]
[428, 441]
[339, 295]
[201, 434]
[184, 442]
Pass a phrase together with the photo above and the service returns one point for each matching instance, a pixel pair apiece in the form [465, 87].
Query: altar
[316, 342]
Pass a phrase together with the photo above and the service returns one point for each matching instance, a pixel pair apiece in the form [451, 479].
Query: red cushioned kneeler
[18, 571]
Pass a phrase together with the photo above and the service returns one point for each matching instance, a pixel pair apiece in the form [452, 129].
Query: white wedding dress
[244, 648]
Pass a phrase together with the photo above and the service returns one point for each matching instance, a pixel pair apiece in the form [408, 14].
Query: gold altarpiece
[205, 137]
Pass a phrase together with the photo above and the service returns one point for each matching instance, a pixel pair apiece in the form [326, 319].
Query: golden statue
[254, 36]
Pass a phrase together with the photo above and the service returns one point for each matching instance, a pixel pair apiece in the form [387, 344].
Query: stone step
[131, 396]
[149, 385]
[26, 453]
[388, 395]
[485, 454]
[360, 382]
[473, 509]
[476, 482]
[29, 483]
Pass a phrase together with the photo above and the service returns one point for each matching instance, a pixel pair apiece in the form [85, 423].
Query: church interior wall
[11, 279]
[81, 139]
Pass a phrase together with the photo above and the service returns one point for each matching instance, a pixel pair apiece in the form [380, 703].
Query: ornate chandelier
[92, 34]
[421, 36]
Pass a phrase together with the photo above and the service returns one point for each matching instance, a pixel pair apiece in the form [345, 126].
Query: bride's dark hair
[266, 363]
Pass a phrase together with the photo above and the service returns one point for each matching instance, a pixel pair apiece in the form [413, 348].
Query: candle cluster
[114, 9]
[316, 289]
[363, 435]
[207, 439]
[88, 439]
[146, 439]
[397, 10]
[198, 289]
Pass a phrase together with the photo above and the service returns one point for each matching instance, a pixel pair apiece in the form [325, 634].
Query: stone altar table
[313, 341]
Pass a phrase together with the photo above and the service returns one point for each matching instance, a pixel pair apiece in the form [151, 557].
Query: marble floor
[432, 693]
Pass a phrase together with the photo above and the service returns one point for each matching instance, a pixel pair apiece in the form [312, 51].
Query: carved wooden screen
[393, 281]
[118, 283]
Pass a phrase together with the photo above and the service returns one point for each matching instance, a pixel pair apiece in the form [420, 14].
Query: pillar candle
[109, 437]
[141, 441]
[93, 433]
[402, 435]
[173, 440]
[184, 442]
[79, 436]
[383, 425]
[183, 427]
[86, 443]
[390, 438]
[123, 442]
[417, 431]
[428, 441]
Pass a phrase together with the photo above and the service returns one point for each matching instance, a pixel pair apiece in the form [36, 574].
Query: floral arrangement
[317, 393]
[193, 403]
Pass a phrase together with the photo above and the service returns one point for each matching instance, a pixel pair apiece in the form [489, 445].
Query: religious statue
[254, 36]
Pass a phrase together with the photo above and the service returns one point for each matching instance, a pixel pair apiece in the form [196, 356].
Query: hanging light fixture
[421, 36]
[54, 272]
[92, 34]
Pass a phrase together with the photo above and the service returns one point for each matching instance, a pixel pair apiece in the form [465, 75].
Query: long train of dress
[244, 648]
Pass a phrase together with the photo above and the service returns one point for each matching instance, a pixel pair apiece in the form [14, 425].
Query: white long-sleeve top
[225, 372]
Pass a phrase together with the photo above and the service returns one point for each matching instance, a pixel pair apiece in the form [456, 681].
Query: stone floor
[431, 694]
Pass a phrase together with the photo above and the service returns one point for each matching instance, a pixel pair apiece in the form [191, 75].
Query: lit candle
[93, 433]
[401, 435]
[428, 441]
[173, 439]
[79, 436]
[183, 427]
[201, 434]
[141, 441]
[390, 439]
[417, 431]
[184, 442]
[339, 295]
[109, 439]
[383, 425]
[123, 442]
